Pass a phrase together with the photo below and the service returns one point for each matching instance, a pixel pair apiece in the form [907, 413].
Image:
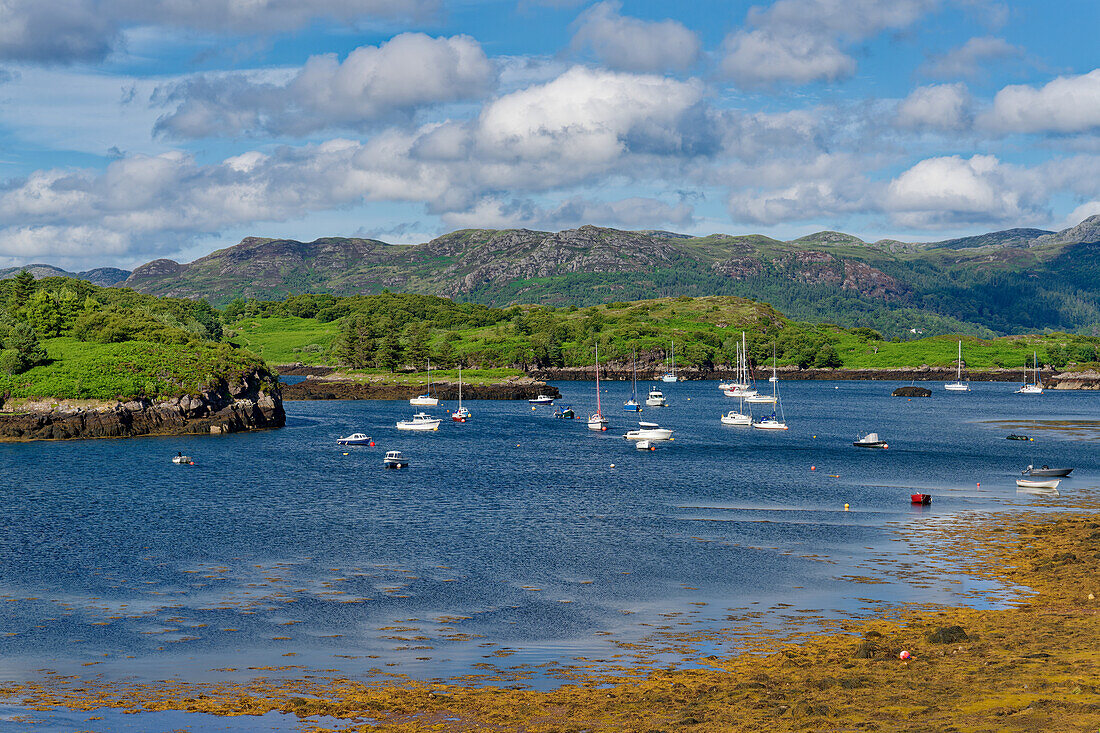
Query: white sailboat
[670, 376]
[958, 385]
[426, 399]
[742, 384]
[632, 404]
[1035, 387]
[772, 422]
[596, 421]
[461, 414]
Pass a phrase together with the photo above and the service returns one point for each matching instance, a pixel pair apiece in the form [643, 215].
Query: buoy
[671, 439]
[904, 656]
[815, 437]
[885, 446]
[845, 507]
[345, 454]
[979, 484]
[813, 468]
[517, 445]
[613, 465]
[834, 475]
[372, 444]
[532, 408]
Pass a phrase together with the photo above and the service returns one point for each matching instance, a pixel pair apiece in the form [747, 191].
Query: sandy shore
[1029, 667]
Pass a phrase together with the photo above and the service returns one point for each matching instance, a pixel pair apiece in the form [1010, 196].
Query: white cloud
[65, 31]
[965, 61]
[630, 44]
[937, 106]
[1067, 104]
[785, 190]
[373, 83]
[801, 41]
[1082, 212]
[636, 212]
[953, 190]
[581, 127]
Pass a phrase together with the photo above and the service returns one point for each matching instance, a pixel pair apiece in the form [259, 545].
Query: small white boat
[183, 460]
[354, 439]
[394, 459]
[656, 398]
[649, 431]
[542, 400]
[760, 399]
[632, 405]
[958, 385]
[733, 417]
[670, 375]
[1025, 483]
[770, 423]
[421, 422]
[645, 445]
[426, 399]
[1035, 387]
[870, 440]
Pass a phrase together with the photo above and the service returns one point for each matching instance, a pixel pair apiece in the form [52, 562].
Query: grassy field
[703, 329]
[94, 371]
[285, 340]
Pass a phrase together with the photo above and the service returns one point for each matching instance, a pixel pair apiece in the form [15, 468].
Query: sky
[137, 129]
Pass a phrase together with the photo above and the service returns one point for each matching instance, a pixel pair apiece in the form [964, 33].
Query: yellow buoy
[845, 507]
[613, 465]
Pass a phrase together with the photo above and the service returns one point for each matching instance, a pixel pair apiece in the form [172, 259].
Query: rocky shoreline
[250, 403]
[342, 389]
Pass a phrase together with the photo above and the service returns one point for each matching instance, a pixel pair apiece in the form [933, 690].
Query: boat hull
[876, 444]
[366, 441]
[650, 434]
[420, 427]
[956, 387]
[736, 418]
[395, 464]
[1024, 483]
[769, 425]
[424, 401]
[1048, 472]
[761, 400]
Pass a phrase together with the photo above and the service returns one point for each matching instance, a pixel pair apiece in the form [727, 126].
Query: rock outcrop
[250, 403]
[1074, 380]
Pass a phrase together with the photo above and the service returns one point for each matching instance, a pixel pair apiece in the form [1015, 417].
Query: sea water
[515, 538]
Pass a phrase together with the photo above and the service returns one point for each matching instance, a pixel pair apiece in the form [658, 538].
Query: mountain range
[1010, 281]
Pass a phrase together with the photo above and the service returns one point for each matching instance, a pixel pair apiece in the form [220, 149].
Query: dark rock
[947, 635]
[912, 391]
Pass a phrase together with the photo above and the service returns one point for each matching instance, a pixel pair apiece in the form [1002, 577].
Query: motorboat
[596, 421]
[921, 499]
[649, 431]
[426, 399]
[670, 375]
[1046, 471]
[1035, 387]
[542, 399]
[355, 439]
[1025, 483]
[462, 414]
[958, 385]
[1014, 436]
[870, 440]
[733, 417]
[632, 405]
[420, 422]
[394, 459]
[566, 414]
[645, 445]
[182, 460]
[656, 398]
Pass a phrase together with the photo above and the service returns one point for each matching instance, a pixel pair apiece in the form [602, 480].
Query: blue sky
[137, 129]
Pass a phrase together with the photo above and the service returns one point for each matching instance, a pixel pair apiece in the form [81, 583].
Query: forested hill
[1015, 281]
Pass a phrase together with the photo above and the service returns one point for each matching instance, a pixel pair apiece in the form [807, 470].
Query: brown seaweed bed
[1030, 667]
[1073, 429]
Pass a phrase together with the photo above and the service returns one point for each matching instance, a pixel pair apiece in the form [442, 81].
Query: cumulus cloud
[802, 41]
[636, 212]
[582, 127]
[630, 44]
[966, 61]
[785, 190]
[937, 106]
[952, 190]
[65, 31]
[1068, 104]
[373, 83]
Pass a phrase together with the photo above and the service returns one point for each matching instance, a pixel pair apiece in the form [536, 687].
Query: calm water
[510, 532]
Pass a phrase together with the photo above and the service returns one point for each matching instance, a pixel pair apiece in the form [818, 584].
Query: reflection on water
[511, 537]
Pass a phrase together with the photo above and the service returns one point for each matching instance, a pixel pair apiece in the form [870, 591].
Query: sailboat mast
[959, 373]
[460, 386]
[599, 410]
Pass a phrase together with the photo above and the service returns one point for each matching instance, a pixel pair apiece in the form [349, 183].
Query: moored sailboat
[1035, 387]
[958, 385]
[596, 421]
[773, 422]
[426, 399]
[632, 404]
[461, 414]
